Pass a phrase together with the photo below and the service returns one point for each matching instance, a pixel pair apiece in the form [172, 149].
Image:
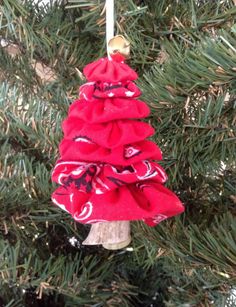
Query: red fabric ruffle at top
[107, 169]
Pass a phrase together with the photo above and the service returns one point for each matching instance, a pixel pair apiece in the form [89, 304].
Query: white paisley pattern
[85, 213]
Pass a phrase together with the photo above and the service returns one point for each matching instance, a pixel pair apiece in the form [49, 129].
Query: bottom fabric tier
[146, 200]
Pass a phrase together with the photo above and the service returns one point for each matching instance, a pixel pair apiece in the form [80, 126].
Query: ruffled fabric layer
[83, 149]
[100, 111]
[110, 134]
[97, 90]
[130, 202]
[107, 169]
[105, 70]
[100, 178]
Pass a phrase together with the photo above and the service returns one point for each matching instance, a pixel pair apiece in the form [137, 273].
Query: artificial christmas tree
[184, 53]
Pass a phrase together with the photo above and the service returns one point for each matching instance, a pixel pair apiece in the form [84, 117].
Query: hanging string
[109, 21]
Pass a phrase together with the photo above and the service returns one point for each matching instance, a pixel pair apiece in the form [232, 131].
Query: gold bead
[119, 44]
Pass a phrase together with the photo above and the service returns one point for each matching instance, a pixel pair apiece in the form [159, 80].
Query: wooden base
[111, 235]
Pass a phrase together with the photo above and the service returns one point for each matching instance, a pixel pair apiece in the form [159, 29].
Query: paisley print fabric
[107, 169]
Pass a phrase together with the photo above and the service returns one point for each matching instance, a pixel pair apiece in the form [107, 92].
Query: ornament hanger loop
[109, 21]
[118, 44]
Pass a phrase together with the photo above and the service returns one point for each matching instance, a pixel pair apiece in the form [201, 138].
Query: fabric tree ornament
[107, 169]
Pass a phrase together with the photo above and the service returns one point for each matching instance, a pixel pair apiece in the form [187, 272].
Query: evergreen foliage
[185, 53]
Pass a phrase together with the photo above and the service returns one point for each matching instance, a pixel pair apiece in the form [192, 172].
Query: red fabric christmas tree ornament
[107, 169]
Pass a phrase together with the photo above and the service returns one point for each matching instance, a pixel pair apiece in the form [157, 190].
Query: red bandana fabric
[107, 169]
